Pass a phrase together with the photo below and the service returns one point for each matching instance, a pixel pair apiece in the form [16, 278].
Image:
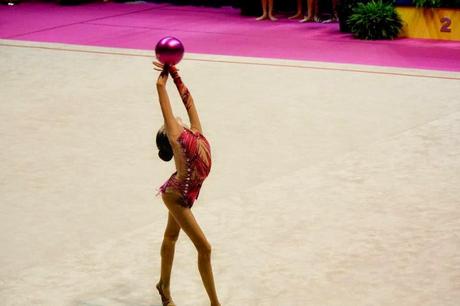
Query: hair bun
[165, 155]
[163, 145]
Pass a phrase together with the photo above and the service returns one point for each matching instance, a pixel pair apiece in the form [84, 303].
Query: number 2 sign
[438, 23]
[446, 23]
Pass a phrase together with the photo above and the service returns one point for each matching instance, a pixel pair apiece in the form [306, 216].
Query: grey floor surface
[331, 184]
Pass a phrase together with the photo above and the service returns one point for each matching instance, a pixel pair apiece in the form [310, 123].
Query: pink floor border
[220, 31]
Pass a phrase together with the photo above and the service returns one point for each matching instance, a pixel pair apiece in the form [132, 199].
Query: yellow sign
[439, 23]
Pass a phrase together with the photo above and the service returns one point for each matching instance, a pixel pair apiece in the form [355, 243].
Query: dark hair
[164, 146]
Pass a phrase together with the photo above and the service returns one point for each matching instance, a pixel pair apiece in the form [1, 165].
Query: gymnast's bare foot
[262, 17]
[165, 295]
[272, 18]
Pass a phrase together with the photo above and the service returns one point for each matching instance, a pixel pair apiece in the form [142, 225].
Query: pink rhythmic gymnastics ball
[169, 50]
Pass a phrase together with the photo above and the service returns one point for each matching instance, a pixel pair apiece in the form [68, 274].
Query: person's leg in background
[267, 10]
[312, 15]
[334, 15]
[299, 12]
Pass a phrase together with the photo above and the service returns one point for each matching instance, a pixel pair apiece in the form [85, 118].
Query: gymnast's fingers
[159, 65]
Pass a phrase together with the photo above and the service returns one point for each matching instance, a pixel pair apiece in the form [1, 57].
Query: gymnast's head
[165, 150]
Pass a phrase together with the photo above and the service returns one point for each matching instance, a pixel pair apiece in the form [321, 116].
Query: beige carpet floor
[332, 185]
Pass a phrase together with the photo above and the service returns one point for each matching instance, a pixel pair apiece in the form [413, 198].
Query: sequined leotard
[196, 165]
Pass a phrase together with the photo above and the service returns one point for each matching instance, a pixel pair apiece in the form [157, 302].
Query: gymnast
[192, 157]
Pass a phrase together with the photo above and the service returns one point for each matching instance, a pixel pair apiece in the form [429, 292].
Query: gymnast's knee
[170, 238]
[204, 249]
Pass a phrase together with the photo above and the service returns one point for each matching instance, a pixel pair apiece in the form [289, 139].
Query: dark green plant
[345, 10]
[427, 3]
[375, 20]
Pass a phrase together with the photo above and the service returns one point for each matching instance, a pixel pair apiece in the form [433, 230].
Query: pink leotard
[196, 165]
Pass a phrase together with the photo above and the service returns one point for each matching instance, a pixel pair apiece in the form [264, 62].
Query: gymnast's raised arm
[171, 125]
[187, 100]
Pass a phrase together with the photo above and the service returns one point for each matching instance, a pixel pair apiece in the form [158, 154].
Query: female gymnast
[192, 157]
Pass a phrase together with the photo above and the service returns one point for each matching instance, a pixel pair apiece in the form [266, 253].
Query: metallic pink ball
[169, 50]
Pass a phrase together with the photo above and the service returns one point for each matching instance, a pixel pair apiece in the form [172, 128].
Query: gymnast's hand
[163, 77]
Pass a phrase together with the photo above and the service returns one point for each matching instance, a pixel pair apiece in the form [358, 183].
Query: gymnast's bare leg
[185, 219]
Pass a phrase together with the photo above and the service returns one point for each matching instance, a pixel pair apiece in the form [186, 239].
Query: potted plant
[375, 20]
